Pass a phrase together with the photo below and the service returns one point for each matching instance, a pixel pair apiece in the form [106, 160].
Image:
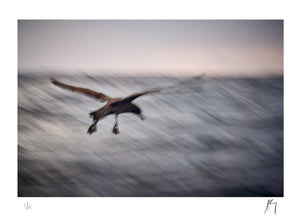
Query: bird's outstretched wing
[88, 92]
[130, 98]
[190, 85]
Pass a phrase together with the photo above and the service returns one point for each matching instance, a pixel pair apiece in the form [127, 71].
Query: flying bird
[118, 106]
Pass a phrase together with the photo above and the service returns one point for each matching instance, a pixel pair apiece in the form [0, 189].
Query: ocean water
[226, 140]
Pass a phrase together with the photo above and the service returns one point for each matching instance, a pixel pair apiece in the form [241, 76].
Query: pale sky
[152, 45]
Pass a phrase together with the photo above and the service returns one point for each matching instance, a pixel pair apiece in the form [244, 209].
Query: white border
[12, 207]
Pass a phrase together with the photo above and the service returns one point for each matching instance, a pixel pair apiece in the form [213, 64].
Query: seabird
[113, 105]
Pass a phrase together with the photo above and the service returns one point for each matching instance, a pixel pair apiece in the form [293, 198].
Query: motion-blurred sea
[224, 141]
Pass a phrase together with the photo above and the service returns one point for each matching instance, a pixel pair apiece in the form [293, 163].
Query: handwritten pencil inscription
[27, 206]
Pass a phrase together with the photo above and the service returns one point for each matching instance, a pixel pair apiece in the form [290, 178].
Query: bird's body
[114, 106]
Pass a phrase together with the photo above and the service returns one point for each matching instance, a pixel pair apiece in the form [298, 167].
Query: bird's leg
[92, 128]
[116, 127]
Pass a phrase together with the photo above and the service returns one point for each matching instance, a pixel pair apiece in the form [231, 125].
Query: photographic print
[150, 108]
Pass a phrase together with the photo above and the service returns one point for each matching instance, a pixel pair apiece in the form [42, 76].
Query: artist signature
[270, 204]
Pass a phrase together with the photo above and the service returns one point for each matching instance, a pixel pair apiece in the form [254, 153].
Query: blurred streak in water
[224, 141]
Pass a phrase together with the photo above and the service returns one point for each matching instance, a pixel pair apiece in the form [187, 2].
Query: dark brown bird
[122, 105]
[113, 106]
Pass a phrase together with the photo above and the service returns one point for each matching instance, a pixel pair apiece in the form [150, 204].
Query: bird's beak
[142, 117]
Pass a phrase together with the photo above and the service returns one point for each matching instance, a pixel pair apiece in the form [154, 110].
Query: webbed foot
[92, 129]
[116, 129]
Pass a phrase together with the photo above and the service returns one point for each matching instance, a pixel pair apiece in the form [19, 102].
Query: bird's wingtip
[53, 80]
[201, 76]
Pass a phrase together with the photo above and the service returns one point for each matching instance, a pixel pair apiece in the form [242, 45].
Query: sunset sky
[237, 46]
